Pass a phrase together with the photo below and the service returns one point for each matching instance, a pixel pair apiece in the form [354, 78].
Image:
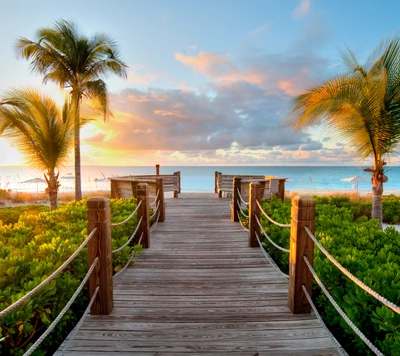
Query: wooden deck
[199, 290]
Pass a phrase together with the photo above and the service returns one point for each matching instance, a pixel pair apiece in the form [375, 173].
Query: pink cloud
[302, 9]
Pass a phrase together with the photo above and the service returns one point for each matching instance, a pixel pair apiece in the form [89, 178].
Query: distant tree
[74, 61]
[40, 130]
[360, 108]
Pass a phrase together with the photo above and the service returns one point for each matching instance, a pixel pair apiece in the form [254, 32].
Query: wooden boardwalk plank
[199, 290]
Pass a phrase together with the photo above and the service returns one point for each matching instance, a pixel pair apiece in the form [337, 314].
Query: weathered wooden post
[98, 216]
[216, 182]
[142, 194]
[160, 199]
[255, 194]
[235, 208]
[157, 169]
[178, 184]
[114, 189]
[303, 214]
[281, 189]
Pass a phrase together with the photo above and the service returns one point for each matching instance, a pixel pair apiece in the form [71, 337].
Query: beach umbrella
[37, 181]
[355, 180]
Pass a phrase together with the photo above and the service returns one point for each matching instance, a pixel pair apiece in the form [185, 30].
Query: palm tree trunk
[52, 189]
[377, 192]
[77, 147]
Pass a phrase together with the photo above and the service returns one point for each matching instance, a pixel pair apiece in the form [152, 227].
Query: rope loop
[241, 198]
[156, 198]
[353, 278]
[131, 238]
[269, 218]
[240, 221]
[269, 239]
[129, 217]
[241, 210]
[155, 224]
[155, 211]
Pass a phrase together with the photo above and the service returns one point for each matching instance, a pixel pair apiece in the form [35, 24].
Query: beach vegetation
[76, 62]
[372, 255]
[40, 130]
[33, 244]
[360, 108]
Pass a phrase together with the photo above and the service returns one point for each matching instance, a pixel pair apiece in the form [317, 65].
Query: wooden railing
[224, 183]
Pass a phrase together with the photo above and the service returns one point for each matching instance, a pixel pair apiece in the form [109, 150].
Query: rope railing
[341, 312]
[269, 239]
[240, 222]
[155, 211]
[129, 260]
[27, 296]
[155, 199]
[71, 336]
[269, 218]
[128, 218]
[241, 198]
[241, 210]
[131, 238]
[270, 260]
[353, 278]
[63, 311]
[319, 317]
[155, 224]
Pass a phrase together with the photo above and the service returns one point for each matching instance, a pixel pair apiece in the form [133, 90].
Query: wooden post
[216, 182]
[254, 210]
[303, 214]
[157, 169]
[160, 201]
[114, 189]
[281, 189]
[98, 216]
[178, 184]
[134, 185]
[142, 192]
[235, 210]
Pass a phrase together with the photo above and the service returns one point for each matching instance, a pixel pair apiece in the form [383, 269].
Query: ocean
[201, 178]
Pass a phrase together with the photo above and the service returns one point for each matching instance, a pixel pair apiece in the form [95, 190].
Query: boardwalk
[199, 290]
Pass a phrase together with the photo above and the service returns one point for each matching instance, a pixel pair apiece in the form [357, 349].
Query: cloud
[145, 79]
[302, 9]
[259, 30]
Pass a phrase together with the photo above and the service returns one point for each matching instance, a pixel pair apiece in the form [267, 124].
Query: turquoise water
[201, 178]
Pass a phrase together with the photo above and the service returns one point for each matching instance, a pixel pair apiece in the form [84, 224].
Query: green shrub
[33, 248]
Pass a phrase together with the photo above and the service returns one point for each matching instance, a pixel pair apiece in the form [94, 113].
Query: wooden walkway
[199, 290]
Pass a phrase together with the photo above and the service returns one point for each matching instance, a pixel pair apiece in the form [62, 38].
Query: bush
[33, 248]
[370, 254]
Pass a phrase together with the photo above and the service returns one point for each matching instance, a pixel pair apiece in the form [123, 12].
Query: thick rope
[155, 199]
[155, 224]
[65, 309]
[21, 301]
[341, 312]
[314, 308]
[269, 239]
[127, 264]
[128, 218]
[269, 258]
[155, 211]
[269, 218]
[140, 240]
[241, 198]
[374, 294]
[241, 211]
[131, 238]
[240, 221]
[71, 336]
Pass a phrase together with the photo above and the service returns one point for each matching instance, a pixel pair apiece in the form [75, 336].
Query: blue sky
[209, 81]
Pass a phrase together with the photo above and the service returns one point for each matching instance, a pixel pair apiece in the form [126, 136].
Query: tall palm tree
[40, 130]
[361, 108]
[74, 61]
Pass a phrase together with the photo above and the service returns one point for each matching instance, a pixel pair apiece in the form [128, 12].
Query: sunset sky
[209, 81]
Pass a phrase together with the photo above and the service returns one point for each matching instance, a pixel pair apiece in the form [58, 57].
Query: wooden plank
[200, 290]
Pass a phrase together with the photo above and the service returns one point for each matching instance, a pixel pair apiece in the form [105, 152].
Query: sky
[209, 81]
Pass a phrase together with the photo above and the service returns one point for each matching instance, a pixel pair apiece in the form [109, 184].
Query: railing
[98, 242]
[301, 255]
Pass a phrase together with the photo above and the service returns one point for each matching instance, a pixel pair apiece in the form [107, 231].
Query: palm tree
[74, 61]
[361, 108]
[40, 130]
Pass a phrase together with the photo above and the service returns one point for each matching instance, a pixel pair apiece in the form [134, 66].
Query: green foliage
[371, 255]
[34, 247]
[11, 215]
